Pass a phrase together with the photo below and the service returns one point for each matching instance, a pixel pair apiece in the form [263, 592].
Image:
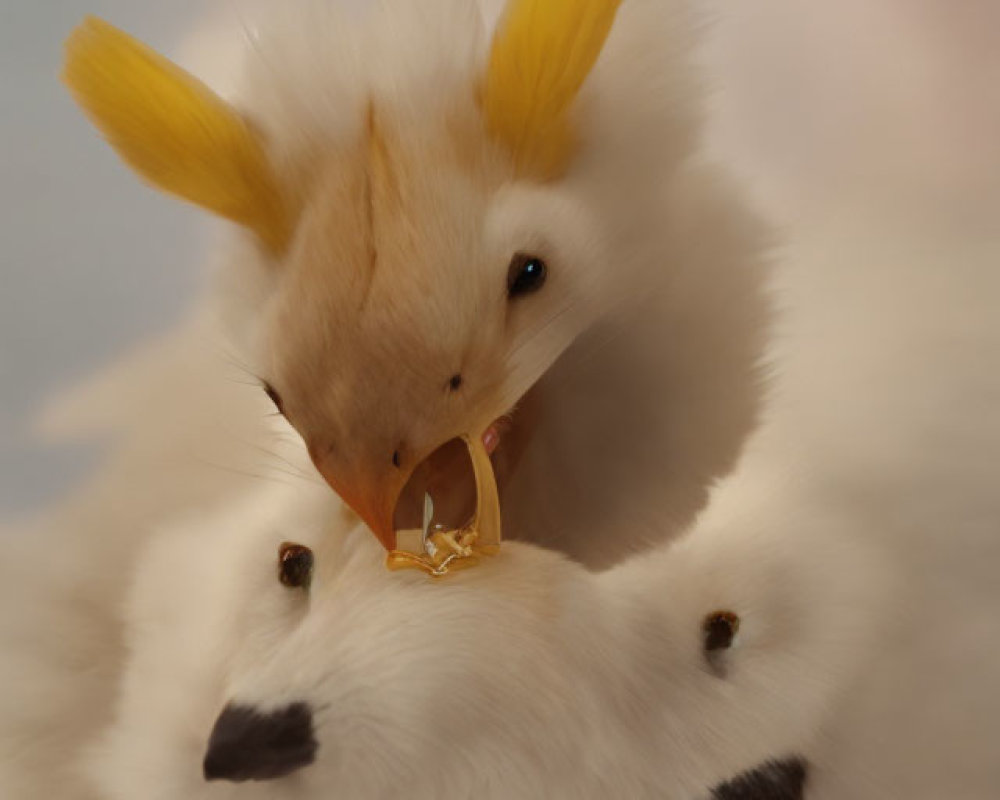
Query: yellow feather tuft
[541, 56]
[173, 130]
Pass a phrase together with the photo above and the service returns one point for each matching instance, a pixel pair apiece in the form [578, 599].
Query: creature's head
[421, 261]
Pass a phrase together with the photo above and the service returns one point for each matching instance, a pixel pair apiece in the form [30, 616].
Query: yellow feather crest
[542, 53]
[173, 130]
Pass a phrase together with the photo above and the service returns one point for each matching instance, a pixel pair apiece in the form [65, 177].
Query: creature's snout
[249, 745]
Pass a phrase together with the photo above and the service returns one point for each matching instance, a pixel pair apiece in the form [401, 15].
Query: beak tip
[367, 506]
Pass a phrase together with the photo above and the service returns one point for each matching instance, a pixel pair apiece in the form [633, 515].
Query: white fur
[152, 598]
[526, 677]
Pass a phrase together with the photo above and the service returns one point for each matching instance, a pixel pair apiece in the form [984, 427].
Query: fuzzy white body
[532, 676]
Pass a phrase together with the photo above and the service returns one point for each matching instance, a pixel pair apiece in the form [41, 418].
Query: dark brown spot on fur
[295, 565]
[719, 629]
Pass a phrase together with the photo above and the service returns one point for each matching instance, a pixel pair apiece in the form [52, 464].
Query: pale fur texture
[410, 217]
[532, 676]
[528, 677]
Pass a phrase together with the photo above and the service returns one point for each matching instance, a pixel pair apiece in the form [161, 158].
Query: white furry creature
[420, 257]
[634, 371]
[527, 676]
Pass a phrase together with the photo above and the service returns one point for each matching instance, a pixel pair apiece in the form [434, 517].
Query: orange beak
[373, 494]
[373, 506]
[372, 499]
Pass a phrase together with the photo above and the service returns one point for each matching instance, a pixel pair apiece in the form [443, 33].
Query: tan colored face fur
[388, 332]
[389, 328]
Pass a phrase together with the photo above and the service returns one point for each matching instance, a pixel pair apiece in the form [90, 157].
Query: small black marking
[774, 780]
[719, 629]
[455, 382]
[295, 565]
[249, 745]
[396, 458]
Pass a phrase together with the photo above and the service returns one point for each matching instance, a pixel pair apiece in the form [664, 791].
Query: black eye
[295, 565]
[275, 397]
[525, 275]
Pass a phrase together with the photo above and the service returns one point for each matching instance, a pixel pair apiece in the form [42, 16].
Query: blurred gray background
[89, 259]
[811, 97]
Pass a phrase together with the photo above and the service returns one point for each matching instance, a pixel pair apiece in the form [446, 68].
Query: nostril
[251, 745]
[319, 451]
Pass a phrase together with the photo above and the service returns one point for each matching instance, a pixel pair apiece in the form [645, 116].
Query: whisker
[244, 472]
[254, 383]
[296, 469]
[231, 358]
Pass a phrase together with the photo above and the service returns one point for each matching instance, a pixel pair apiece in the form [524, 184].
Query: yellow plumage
[173, 130]
[541, 56]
